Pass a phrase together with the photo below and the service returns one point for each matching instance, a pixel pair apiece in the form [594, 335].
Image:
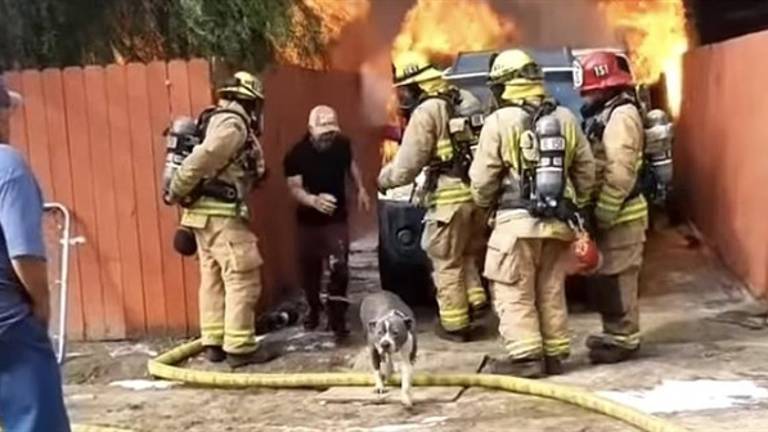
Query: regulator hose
[163, 367]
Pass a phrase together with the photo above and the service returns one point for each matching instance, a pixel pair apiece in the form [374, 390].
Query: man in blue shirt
[31, 398]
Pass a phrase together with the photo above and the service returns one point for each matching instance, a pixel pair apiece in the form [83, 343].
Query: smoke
[557, 23]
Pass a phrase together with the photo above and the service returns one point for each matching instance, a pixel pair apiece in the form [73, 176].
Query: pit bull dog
[391, 330]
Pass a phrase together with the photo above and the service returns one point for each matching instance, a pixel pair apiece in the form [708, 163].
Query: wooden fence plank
[146, 194]
[85, 215]
[181, 105]
[37, 130]
[61, 174]
[104, 195]
[19, 119]
[173, 276]
[122, 165]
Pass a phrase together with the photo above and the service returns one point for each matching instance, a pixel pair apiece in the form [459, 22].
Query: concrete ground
[697, 326]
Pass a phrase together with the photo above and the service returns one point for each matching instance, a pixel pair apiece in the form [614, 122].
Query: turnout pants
[527, 284]
[31, 399]
[615, 287]
[230, 283]
[325, 245]
[454, 239]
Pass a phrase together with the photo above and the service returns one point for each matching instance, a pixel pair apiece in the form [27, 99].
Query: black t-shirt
[322, 172]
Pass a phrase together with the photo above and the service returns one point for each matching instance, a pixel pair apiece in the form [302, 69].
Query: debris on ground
[141, 385]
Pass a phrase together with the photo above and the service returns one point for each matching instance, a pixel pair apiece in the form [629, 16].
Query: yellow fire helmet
[514, 67]
[242, 85]
[413, 67]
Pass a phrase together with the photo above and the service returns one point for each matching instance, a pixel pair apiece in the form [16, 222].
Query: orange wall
[93, 136]
[721, 155]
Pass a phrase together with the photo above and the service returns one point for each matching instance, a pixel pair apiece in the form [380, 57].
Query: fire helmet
[604, 70]
[514, 67]
[413, 67]
[243, 86]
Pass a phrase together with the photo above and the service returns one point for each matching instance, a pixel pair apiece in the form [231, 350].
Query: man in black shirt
[317, 169]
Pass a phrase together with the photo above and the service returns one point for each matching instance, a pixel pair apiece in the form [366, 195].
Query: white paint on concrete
[678, 396]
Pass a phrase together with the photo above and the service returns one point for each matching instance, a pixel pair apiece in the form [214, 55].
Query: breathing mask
[408, 98]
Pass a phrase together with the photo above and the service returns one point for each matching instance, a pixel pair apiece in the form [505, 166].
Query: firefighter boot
[262, 355]
[477, 313]
[522, 368]
[214, 354]
[459, 336]
[602, 351]
[553, 365]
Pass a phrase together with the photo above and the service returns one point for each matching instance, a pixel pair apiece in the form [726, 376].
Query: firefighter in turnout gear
[455, 229]
[212, 185]
[614, 126]
[534, 167]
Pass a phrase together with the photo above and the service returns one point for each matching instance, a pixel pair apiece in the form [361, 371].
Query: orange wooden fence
[93, 137]
[720, 156]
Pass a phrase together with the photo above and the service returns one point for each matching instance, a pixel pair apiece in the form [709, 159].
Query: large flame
[655, 34]
[327, 21]
[442, 29]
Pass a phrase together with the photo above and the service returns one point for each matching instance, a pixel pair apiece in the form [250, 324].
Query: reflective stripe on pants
[230, 283]
[530, 301]
[450, 239]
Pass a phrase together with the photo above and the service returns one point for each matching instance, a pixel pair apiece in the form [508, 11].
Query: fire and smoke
[332, 17]
[443, 30]
[655, 34]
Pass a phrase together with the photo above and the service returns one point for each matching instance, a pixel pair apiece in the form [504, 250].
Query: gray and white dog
[391, 330]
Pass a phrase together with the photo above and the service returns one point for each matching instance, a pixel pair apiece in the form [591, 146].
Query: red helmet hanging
[603, 70]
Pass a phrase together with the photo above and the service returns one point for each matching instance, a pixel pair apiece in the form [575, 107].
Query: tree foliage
[58, 33]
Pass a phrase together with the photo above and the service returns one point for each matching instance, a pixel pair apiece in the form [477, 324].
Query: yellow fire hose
[163, 367]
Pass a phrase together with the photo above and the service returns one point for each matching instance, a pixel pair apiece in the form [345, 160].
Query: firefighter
[219, 174]
[534, 167]
[454, 232]
[614, 126]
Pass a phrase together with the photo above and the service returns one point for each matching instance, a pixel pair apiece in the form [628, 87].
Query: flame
[655, 34]
[332, 17]
[388, 150]
[442, 30]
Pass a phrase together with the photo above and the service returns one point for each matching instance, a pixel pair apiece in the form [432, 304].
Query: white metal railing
[66, 241]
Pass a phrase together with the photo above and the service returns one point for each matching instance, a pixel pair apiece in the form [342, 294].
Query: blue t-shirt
[21, 231]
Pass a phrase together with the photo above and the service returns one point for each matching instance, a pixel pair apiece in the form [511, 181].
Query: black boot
[214, 354]
[553, 365]
[459, 336]
[611, 355]
[601, 351]
[521, 368]
[262, 355]
[479, 312]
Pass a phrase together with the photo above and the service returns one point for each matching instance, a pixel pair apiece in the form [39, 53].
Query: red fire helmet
[603, 70]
